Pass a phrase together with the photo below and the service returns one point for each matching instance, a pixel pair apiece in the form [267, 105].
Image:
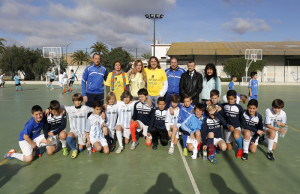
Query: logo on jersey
[192, 110]
[100, 70]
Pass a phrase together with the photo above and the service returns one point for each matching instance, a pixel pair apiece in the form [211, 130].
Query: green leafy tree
[2, 46]
[99, 47]
[146, 55]
[116, 54]
[237, 66]
[79, 57]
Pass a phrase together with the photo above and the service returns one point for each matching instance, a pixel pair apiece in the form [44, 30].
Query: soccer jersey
[233, 114]
[112, 115]
[155, 79]
[252, 123]
[172, 119]
[65, 77]
[78, 117]
[55, 124]
[118, 84]
[52, 75]
[125, 112]
[185, 112]
[1, 79]
[17, 79]
[32, 129]
[73, 77]
[142, 112]
[192, 124]
[231, 85]
[271, 117]
[93, 126]
[158, 119]
[60, 79]
[253, 84]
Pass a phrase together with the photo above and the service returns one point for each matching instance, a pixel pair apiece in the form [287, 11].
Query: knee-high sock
[246, 145]
[71, 143]
[133, 127]
[184, 139]
[210, 145]
[239, 143]
[108, 139]
[51, 86]
[119, 137]
[63, 143]
[270, 144]
[18, 156]
[17, 87]
[199, 146]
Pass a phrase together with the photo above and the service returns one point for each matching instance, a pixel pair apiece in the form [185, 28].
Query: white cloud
[241, 25]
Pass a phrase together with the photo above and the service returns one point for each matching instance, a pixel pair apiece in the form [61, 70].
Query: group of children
[64, 81]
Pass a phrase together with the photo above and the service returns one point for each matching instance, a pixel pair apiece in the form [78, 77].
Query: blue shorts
[93, 97]
[253, 97]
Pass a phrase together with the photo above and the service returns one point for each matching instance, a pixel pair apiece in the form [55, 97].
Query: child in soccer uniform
[253, 86]
[233, 115]
[185, 111]
[72, 79]
[141, 118]
[275, 121]
[55, 128]
[2, 82]
[52, 78]
[252, 123]
[214, 99]
[231, 83]
[30, 138]
[171, 122]
[239, 98]
[61, 79]
[77, 118]
[95, 128]
[157, 128]
[125, 112]
[65, 81]
[212, 133]
[17, 82]
[192, 125]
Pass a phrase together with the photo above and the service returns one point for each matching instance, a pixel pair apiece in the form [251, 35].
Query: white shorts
[168, 126]
[126, 133]
[275, 139]
[81, 138]
[102, 141]
[228, 135]
[143, 127]
[217, 140]
[65, 82]
[194, 142]
[27, 149]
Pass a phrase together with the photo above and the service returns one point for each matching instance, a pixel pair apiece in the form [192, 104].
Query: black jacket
[192, 87]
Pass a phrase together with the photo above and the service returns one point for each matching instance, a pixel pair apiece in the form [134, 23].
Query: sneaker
[198, 154]
[194, 156]
[270, 156]
[134, 144]
[119, 150]
[185, 152]
[16, 90]
[154, 147]
[38, 153]
[239, 153]
[171, 150]
[245, 156]
[7, 156]
[52, 89]
[112, 148]
[74, 154]
[65, 151]
[212, 159]
[93, 149]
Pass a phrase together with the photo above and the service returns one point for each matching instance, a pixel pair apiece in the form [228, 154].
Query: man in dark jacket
[191, 83]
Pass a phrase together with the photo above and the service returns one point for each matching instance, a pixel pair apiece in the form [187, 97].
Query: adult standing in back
[191, 83]
[93, 78]
[174, 75]
[211, 82]
[157, 83]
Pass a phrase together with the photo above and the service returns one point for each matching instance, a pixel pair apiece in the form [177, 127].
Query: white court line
[188, 170]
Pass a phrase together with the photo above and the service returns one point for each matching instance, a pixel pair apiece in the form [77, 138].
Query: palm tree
[99, 47]
[2, 46]
[79, 57]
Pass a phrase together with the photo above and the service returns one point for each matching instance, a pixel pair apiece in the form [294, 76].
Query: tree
[79, 57]
[2, 46]
[116, 54]
[146, 55]
[237, 66]
[99, 47]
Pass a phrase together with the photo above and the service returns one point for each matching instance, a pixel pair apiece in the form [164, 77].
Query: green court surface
[144, 170]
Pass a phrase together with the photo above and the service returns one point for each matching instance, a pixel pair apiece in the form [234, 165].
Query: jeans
[154, 100]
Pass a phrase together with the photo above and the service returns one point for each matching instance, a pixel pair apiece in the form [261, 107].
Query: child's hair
[211, 107]
[175, 98]
[231, 93]
[187, 96]
[143, 91]
[213, 67]
[233, 76]
[244, 98]
[109, 96]
[77, 97]
[16, 73]
[36, 108]
[126, 94]
[199, 106]
[97, 103]
[253, 102]
[54, 105]
[72, 70]
[61, 71]
[161, 99]
[253, 74]
[214, 93]
[277, 103]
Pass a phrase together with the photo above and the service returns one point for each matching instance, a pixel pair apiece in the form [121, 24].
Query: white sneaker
[52, 89]
[171, 150]
[119, 150]
[194, 156]
[133, 145]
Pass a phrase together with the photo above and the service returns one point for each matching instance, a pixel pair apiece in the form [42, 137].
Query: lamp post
[67, 52]
[154, 17]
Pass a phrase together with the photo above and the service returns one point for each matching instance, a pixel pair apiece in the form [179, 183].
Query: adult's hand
[85, 98]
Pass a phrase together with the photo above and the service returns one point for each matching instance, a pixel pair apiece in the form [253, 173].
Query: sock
[184, 139]
[71, 143]
[63, 143]
[64, 90]
[239, 143]
[108, 139]
[21, 88]
[17, 156]
[17, 88]
[199, 146]
[246, 145]
[51, 86]
[119, 137]
[48, 85]
[255, 136]
[195, 151]
[80, 150]
[270, 144]
[210, 144]
[133, 127]
[172, 145]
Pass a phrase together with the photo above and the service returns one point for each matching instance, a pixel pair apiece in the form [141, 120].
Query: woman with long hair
[137, 78]
[211, 81]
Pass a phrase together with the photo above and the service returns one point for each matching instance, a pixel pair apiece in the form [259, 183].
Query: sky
[122, 23]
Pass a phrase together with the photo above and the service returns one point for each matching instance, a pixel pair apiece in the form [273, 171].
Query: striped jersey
[142, 112]
[93, 126]
[233, 114]
[125, 112]
[172, 119]
[158, 118]
[112, 115]
[78, 117]
[252, 123]
[55, 124]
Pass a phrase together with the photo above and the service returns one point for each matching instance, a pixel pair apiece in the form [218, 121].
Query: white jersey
[93, 126]
[1, 79]
[172, 119]
[125, 112]
[271, 117]
[112, 115]
[60, 78]
[65, 76]
[78, 117]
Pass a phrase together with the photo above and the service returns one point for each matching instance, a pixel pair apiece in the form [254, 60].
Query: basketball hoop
[254, 57]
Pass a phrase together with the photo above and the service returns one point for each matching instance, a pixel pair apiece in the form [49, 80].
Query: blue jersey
[17, 79]
[73, 77]
[231, 85]
[233, 114]
[32, 129]
[174, 79]
[185, 112]
[192, 124]
[253, 84]
[52, 75]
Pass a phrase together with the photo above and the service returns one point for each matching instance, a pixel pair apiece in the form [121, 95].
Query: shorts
[228, 135]
[55, 140]
[143, 128]
[51, 80]
[93, 97]
[102, 141]
[168, 126]
[126, 133]
[194, 142]
[256, 141]
[71, 82]
[19, 84]
[275, 139]
[65, 82]
[217, 140]
[27, 149]
[81, 138]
